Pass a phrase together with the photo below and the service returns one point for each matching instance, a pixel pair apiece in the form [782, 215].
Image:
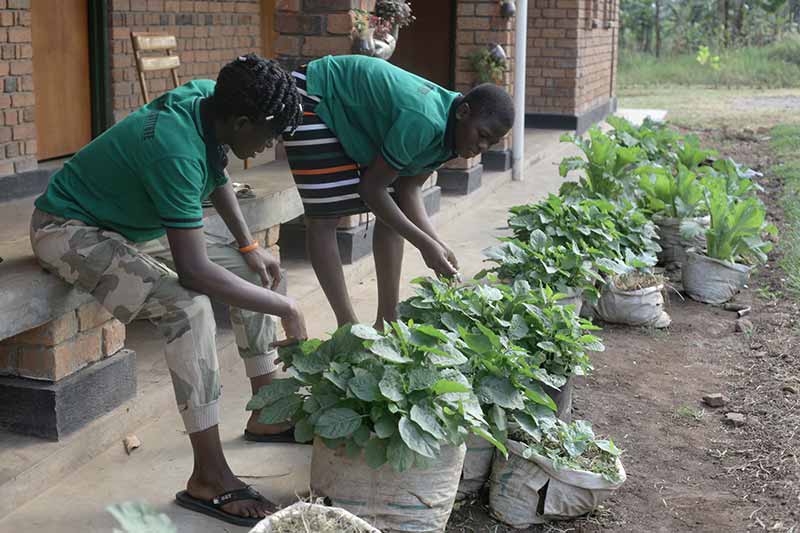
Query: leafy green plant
[655, 138]
[705, 58]
[136, 517]
[737, 226]
[544, 264]
[489, 67]
[739, 180]
[605, 165]
[395, 12]
[572, 446]
[612, 234]
[672, 195]
[396, 397]
[689, 153]
[554, 341]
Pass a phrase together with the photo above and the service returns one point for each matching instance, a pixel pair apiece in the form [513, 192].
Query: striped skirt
[326, 177]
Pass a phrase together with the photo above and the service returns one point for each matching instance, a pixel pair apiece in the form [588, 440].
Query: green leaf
[590, 342]
[336, 379]
[352, 450]
[493, 390]
[337, 423]
[519, 328]
[528, 424]
[416, 439]
[375, 453]
[303, 431]
[535, 393]
[400, 456]
[391, 385]
[444, 386]
[608, 446]
[311, 363]
[256, 403]
[385, 427]
[279, 388]
[447, 356]
[421, 378]
[432, 332]
[388, 350]
[425, 418]
[280, 411]
[498, 417]
[364, 386]
[363, 331]
[489, 437]
[361, 436]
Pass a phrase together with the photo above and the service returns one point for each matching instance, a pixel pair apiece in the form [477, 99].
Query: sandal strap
[247, 493]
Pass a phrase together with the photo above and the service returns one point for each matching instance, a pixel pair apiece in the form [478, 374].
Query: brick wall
[210, 34]
[308, 29]
[597, 60]
[17, 128]
[570, 63]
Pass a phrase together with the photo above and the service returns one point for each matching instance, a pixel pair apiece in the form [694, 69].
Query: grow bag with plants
[713, 281]
[477, 467]
[633, 300]
[568, 473]
[388, 413]
[418, 499]
[673, 243]
[314, 518]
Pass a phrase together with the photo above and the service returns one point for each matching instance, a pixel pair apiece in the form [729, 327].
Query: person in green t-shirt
[123, 220]
[372, 134]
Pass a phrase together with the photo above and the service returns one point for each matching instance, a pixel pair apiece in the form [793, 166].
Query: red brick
[52, 333]
[19, 4]
[4, 68]
[340, 23]
[318, 46]
[21, 67]
[91, 315]
[473, 23]
[24, 132]
[5, 135]
[57, 362]
[326, 5]
[288, 5]
[30, 148]
[6, 169]
[22, 100]
[113, 337]
[487, 10]
[465, 9]
[19, 35]
[11, 118]
[7, 19]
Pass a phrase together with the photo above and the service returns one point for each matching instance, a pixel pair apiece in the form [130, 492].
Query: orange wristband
[249, 247]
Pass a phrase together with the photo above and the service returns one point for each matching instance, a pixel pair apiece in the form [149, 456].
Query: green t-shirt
[150, 171]
[375, 107]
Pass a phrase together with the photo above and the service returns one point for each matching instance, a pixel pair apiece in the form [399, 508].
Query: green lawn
[786, 145]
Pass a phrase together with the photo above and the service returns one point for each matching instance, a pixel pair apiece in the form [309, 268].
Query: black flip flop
[213, 508]
[284, 437]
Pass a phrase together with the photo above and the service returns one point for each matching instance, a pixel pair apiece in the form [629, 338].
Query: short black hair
[489, 100]
[257, 88]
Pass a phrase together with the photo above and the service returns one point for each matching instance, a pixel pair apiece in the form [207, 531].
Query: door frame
[100, 67]
[453, 43]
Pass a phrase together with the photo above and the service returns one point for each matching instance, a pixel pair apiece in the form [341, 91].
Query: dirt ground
[688, 469]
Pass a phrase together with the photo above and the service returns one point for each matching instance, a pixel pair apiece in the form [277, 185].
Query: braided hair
[259, 89]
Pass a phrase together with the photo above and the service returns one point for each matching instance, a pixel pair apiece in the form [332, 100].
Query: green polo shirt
[374, 108]
[149, 172]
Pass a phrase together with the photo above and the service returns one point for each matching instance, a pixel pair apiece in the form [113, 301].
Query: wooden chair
[144, 42]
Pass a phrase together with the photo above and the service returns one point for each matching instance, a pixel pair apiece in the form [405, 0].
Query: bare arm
[196, 272]
[373, 190]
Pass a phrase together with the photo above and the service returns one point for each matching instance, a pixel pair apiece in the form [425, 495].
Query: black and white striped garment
[326, 177]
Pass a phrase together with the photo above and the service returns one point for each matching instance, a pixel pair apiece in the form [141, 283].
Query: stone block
[113, 337]
[54, 332]
[53, 363]
[53, 410]
[460, 182]
[432, 198]
[497, 160]
[92, 315]
[273, 235]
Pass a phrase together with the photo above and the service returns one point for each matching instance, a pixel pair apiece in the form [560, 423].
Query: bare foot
[207, 489]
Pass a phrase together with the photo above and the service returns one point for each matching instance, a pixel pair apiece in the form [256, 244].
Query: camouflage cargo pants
[132, 281]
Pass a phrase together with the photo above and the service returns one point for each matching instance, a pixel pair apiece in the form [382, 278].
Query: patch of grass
[785, 144]
[690, 413]
[765, 293]
[708, 108]
[774, 66]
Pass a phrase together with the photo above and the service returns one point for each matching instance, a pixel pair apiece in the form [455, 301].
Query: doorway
[427, 46]
[61, 77]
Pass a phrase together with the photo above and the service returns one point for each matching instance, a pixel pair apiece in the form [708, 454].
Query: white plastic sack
[269, 524]
[574, 297]
[477, 466]
[523, 491]
[712, 281]
[673, 244]
[642, 307]
[418, 501]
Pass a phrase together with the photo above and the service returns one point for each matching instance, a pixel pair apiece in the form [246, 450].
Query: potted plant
[363, 34]
[388, 409]
[490, 64]
[523, 349]
[554, 471]
[673, 198]
[734, 245]
[633, 297]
